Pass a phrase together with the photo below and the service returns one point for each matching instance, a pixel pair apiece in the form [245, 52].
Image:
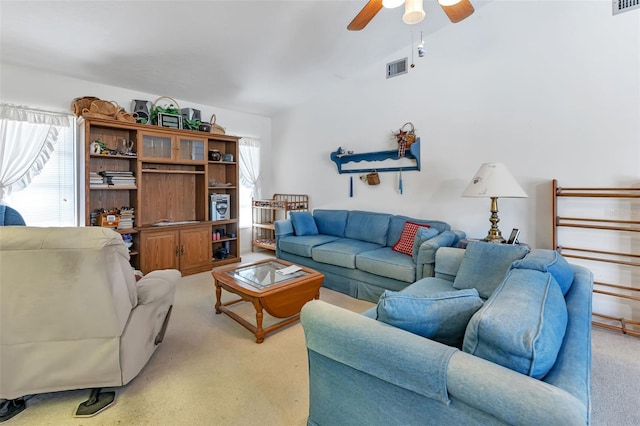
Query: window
[51, 197]
[249, 150]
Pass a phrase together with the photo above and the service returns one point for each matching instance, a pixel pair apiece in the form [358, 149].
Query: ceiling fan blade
[457, 10]
[366, 15]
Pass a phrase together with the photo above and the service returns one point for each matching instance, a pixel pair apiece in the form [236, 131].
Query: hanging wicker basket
[216, 128]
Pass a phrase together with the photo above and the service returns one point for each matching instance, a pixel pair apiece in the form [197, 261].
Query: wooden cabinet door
[159, 250]
[195, 248]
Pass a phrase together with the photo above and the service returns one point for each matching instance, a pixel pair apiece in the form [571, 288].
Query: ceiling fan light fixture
[391, 4]
[413, 12]
[457, 10]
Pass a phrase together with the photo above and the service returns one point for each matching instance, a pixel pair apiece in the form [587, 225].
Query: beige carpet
[210, 371]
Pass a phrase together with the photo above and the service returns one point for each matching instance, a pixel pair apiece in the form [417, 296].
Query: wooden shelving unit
[174, 182]
[625, 262]
[266, 212]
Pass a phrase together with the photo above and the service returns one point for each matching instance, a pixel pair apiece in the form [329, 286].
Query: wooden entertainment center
[168, 182]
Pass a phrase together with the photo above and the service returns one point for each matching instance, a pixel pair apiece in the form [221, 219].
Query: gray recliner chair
[72, 315]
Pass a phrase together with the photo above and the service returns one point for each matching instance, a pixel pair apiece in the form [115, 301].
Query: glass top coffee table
[263, 284]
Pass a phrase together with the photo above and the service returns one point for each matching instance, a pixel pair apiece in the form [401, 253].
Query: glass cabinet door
[156, 146]
[191, 149]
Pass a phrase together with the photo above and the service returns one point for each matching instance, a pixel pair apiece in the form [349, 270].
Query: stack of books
[126, 218]
[116, 178]
[97, 181]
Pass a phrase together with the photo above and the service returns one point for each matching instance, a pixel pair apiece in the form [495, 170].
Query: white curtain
[27, 138]
[250, 165]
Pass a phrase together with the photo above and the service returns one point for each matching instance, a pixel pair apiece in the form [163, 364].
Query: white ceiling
[252, 56]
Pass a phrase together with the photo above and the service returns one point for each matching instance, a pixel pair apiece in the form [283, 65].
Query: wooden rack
[620, 259]
[266, 212]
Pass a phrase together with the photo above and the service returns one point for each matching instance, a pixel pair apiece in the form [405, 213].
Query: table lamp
[493, 180]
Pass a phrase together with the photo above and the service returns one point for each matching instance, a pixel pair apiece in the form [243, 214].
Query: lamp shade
[413, 12]
[494, 180]
[390, 4]
[457, 10]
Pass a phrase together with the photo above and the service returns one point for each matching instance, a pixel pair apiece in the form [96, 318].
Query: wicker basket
[88, 114]
[216, 128]
[78, 105]
[123, 115]
[108, 108]
[407, 133]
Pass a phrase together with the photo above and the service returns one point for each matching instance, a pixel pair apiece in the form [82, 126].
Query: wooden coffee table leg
[218, 298]
[259, 315]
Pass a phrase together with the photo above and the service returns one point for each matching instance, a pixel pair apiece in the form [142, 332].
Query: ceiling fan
[456, 10]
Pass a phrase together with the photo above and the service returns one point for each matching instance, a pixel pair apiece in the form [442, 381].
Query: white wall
[40, 89]
[551, 89]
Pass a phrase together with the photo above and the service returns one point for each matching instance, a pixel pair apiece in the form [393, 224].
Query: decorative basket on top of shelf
[216, 128]
[166, 114]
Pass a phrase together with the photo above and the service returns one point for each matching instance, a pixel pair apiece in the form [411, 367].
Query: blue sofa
[525, 356]
[354, 249]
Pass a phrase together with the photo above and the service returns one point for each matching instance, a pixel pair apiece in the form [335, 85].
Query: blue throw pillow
[442, 317]
[545, 260]
[484, 265]
[303, 223]
[522, 325]
[422, 235]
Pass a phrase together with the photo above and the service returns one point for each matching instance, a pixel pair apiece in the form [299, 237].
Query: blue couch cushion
[302, 246]
[484, 265]
[367, 226]
[442, 317]
[387, 263]
[303, 223]
[551, 261]
[396, 225]
[522, 325]
[331, 222]
[423, 235]
[341, 252]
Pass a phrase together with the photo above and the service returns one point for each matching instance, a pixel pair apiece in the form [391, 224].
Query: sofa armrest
[367, 345]
[510, 396]
[425, 263]
[283, 228]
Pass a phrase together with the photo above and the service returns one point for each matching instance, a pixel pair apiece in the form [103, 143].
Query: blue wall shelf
[412, 153]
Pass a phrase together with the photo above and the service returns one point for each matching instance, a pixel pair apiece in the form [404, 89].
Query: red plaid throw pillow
[405, 242]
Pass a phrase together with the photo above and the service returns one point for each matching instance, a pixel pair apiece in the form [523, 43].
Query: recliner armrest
[157, 285]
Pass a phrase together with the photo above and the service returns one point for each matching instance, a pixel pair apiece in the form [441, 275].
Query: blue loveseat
[521, 356]
[354, 249]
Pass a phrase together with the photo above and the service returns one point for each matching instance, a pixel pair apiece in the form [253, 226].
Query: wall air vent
[620, 6]
[398, 67]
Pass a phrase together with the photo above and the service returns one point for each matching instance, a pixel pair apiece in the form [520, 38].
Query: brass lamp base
[494, 235]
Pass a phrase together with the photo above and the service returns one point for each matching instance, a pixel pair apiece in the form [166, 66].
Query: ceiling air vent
[620, 6]
[398, 67]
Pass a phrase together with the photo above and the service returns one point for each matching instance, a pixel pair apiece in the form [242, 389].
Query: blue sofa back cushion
[367, 226]
[331, 222]
[522, 325]
[551, 261]
[396, 225]
[484, 265]
[303, 223]
[442, 317]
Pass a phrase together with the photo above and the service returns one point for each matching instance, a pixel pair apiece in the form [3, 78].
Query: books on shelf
[117, 178]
